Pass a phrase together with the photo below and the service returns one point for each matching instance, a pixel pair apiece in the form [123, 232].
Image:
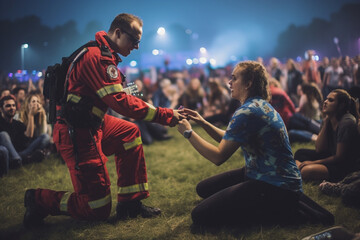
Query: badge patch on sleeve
[112, 71]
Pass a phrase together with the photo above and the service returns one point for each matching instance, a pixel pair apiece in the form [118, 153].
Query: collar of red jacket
[102, 39]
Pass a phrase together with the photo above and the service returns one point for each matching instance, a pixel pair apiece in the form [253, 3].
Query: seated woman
[300, 127]
[194, 96]
[304, 126]
[218, 104]
[33, 115]
[269, 188]
[337, 146]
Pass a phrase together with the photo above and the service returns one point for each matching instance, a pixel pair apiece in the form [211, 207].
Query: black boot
[132, 209]
[33, 216]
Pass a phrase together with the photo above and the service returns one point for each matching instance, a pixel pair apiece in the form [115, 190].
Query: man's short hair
[17, 89]
[5, 98]
[123, 21]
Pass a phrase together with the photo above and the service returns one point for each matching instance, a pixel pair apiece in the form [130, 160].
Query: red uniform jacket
[96, 75]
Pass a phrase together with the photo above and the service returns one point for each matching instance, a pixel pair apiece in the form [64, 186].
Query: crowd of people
[265, 106]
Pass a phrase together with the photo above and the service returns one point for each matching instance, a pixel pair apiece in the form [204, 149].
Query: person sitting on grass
[15, 147]
[337, 145]
[269, 188]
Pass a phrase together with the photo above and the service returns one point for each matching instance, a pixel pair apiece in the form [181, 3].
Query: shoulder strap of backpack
[72, 59]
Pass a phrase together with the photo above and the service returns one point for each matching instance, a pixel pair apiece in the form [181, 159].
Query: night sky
[215, 23]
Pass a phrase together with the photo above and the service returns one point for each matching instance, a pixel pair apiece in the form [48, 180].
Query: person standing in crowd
[268, 189]
[294, 78]
[20, 95]
[85, 135]
[274, 69]
[323, 65]
[332, 76]
[337, 145]
[347, 76]
[310, 69]
[15, 146]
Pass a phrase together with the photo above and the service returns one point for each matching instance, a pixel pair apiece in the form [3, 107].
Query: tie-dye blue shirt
[263, 137]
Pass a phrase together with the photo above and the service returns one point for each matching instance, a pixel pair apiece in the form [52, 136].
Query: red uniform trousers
[91, 199]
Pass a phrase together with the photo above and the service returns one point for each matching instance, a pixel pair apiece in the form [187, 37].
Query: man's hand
[176, 118]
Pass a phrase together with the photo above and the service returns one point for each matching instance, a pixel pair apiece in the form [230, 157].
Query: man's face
[129, 40]
[9, 108]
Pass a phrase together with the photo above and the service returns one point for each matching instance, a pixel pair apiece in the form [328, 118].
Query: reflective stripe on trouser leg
[133, 144]
[92, 204]
[133, 188]
[138, 187]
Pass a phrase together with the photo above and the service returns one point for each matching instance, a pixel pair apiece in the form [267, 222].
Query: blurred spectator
[281, 101]
[165, 96]
[150, 131]
[310, 69]
[356, 70]
[300, 128]
[333, 76]
[274, 69]
[33, 115]
[323, 65]
[20, 95]
[193, 96]
[17, 148]
[347, 76]
[294, 78]
[348, 189]
[310, 101]
[218, 104]
[5, 92]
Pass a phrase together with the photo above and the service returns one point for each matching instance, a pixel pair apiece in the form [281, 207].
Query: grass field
[174, 169]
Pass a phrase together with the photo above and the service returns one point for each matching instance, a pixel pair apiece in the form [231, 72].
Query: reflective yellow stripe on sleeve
[73, 98]
[133, 144]
[151, 113]
[133, 188]
[97, 112]
[102, 92]
[64, 201]
[100, 202]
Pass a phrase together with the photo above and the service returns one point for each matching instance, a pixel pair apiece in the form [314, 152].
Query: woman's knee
[314, 172]
[4, 136]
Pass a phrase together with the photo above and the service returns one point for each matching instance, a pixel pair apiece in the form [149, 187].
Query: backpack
[55, 82]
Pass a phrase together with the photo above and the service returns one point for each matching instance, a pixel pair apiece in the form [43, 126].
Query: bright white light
[133, 63]
[203, 50]
[39, 74]
[189, 61]
[195, 61]
[212, 61]
[203, 60]
[155, 52]
[161, 31]
[316, 58]
[25, 45]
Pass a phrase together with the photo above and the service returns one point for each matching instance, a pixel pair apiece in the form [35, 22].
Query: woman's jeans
[9, 152]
